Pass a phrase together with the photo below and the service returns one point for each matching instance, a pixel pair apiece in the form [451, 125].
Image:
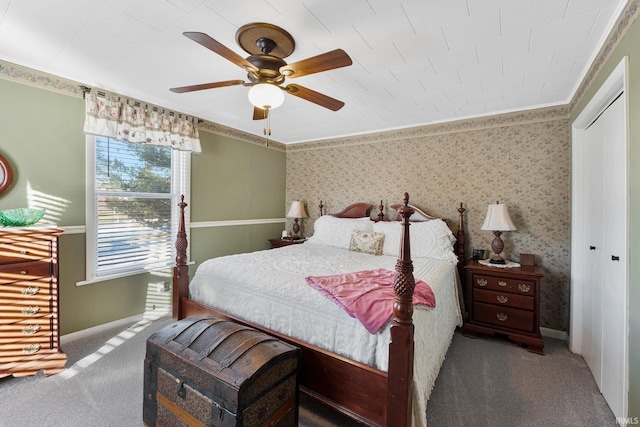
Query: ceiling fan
[266, 69]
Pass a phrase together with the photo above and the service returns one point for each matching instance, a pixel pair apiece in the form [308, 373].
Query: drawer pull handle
[482, 282]
[502, 317]
[30, 310]
[23, 271]
[501, 283]
[31, 348]
[524, 288]
[31, 290]
[502, 299]
[31, 329]
[23, 252]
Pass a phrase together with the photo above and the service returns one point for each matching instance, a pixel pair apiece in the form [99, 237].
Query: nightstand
[278, 243]
[504, 301]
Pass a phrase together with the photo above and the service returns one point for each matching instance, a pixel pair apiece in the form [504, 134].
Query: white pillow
[429, 239]
[392, 231]
[331, 231]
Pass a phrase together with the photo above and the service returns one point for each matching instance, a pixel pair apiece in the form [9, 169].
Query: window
[133, 218]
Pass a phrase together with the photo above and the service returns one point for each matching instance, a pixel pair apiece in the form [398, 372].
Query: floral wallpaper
[522, 161]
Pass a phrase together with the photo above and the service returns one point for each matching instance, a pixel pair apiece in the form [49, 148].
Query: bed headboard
[356, 210]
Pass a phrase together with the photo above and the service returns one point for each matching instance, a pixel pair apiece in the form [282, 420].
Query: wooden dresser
[29, 334]
[504, 301]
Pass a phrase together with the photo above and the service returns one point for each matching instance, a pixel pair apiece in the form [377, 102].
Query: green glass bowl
[20, 217]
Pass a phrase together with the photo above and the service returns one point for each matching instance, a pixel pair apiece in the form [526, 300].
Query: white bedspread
[268, 288]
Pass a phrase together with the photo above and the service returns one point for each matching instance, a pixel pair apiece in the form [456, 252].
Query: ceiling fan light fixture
[266, 95]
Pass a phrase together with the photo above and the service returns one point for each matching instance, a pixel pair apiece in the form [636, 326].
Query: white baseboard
[554, 333]
[148, 315]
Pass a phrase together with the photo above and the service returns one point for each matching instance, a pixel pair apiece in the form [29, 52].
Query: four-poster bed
[377, 389]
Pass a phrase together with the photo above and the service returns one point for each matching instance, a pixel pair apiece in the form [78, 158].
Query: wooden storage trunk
[204, 371]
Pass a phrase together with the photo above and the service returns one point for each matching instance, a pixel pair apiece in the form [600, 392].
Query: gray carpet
[483, 382]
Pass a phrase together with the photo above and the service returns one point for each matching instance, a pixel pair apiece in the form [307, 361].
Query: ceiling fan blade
[220, 49]
[260, 113]
[315, 97]
[327, 61]
[203, 86]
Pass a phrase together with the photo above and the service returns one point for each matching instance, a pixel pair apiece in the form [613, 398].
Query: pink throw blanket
[368, 295]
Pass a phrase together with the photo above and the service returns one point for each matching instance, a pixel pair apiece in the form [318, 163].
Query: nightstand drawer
[504, 299]
[518, 286]
[505, 317]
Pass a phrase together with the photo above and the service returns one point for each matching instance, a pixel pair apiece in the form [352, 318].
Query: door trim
[616, 83]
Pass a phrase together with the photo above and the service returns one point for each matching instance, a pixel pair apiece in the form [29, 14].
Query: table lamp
[296, 211]
[498, 220]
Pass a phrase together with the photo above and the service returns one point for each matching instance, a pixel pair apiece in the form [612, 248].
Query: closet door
[604, 303]
[593, 251]
[614, 258]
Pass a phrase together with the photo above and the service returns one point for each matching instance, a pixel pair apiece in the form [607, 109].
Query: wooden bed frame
[366, 394]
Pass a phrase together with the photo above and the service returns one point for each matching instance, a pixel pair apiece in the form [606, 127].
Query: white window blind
[133, 223]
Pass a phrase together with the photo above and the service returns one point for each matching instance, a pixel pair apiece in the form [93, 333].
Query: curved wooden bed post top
[371, 396]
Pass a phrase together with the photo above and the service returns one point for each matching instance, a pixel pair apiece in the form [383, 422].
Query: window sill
[128, 273]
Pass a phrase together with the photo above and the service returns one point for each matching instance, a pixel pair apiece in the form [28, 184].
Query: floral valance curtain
[127, 121]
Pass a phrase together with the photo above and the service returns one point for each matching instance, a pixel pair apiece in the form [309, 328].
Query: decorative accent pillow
[331, 231]
[366, 241]
[429, 239]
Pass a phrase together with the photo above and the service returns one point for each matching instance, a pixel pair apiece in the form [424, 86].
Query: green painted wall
[249, 182]
[629, 46]
[41, 135]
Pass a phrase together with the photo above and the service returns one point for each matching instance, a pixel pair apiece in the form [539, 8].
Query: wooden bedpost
[461, 241]
[380, 212]
[181, 269]
[401, 347]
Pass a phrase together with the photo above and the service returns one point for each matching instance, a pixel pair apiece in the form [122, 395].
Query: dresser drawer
[32, 288]
[17, 251]
[27, 327]
[25, 271]
[505, 317]
[15, 352]
[517, 286]
[16, 310]
[504, 299]
[19, 341]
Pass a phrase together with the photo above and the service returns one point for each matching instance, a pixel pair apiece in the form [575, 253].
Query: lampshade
[266, 95]
[297, 210]
[498, 218]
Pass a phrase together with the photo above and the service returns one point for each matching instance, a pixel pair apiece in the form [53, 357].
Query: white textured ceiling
[415, 62]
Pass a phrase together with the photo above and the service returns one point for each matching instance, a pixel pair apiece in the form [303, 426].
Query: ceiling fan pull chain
[267, 129]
